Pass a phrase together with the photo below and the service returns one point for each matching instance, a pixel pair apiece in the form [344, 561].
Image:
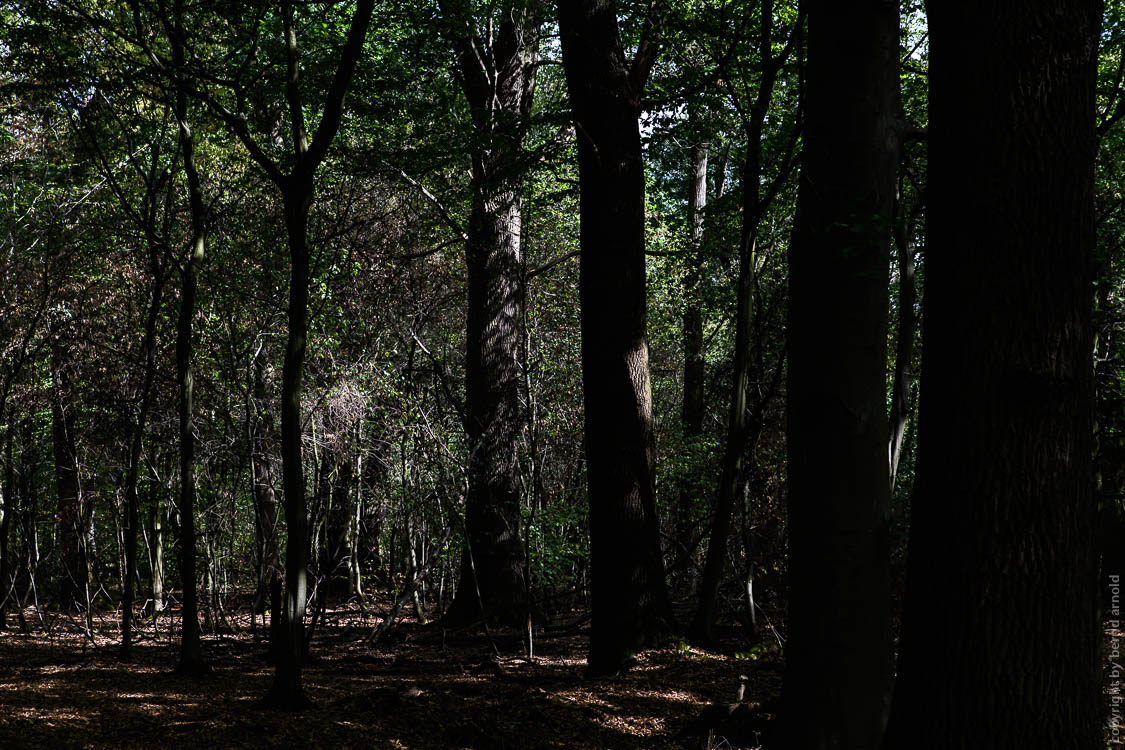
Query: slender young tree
[630, 605]
[742, 427]
[191, 650]
[836, 689]
[296, 183]
[1001, 629]
[693, 407]
[498, 81]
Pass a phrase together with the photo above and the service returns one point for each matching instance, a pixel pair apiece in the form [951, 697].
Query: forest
[562, 374]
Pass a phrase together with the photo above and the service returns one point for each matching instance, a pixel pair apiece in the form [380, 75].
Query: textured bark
[1001, 630]
[836, 689]
[498, 81]
[630, 608]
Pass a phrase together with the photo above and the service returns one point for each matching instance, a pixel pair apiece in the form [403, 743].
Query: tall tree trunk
[1001, 643]
[72, 550]
[498, 81]
[693, 406]
[191, 651]
[837, 682]
[287, 691]
[630, 607]
[148, 347]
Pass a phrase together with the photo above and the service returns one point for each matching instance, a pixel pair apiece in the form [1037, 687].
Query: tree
[191, 652]
[296, 186]
[1001, 641]
[742, 427]
[629, 600]
[498, 81]
[837, 680]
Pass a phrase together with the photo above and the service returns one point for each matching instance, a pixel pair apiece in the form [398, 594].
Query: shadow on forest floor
[420, 689]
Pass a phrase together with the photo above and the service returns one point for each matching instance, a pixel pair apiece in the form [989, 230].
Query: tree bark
[498, 81]
[630, 608]
[1001, 643]
[836, 688]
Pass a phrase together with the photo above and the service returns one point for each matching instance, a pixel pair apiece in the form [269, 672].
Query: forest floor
[418, 688]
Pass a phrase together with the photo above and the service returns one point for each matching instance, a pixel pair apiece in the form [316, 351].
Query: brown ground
[417, 689]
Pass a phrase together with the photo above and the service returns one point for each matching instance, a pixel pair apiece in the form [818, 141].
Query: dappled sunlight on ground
[421, 688]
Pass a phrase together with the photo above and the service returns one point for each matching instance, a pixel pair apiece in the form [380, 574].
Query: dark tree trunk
[1001, 631]
[287, 692]
[148, 347]
[837, 682]
[72, 552]
[191, 650]
[191, 654]
[630, 605]
[498, 82]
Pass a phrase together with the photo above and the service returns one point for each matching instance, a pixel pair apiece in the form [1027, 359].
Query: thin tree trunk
[630, 607]
[7, 511]
[191, 651]
[72, 582]
[836, 688]
[287, 692]
[904, 349]
[737, 419]
[1001, 637]
[693, 405]
[158, 523]
[148, 347]
[741, 434]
